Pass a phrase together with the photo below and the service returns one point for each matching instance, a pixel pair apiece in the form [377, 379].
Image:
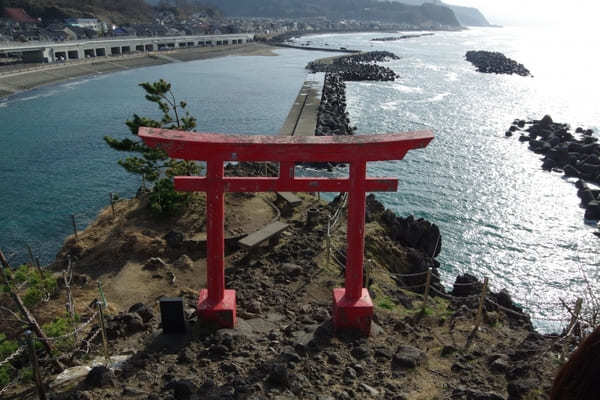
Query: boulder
[144, 312]
[407, 357]
[183, 262]
[154, 264]
[174, 239]
[592, 211]
[98, 377]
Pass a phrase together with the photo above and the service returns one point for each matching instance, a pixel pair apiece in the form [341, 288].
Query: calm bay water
[500, 215]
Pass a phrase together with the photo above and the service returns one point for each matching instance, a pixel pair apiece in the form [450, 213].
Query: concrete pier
[302, 119]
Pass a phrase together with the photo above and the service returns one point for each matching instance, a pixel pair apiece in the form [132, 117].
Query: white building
[89, 23]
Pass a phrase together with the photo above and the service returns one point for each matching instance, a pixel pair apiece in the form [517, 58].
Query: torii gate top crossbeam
[212, 146]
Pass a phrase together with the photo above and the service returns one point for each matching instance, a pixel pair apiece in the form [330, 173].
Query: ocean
[500, 215]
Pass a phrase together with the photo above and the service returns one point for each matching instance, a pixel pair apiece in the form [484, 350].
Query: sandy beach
[30, 77]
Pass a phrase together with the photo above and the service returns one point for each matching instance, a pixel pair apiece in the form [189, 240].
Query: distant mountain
[467, 16]
[365, 10]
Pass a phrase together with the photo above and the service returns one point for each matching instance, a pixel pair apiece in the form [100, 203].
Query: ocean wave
[407, 89]
[451, 77]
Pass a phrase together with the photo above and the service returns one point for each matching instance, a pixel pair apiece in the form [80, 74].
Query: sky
[536, 12]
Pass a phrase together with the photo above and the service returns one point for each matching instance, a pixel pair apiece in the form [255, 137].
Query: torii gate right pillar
[352, 305]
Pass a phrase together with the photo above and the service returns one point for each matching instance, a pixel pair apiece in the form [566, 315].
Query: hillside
[115, 11]
[467, 16]
[284, 346]
[366, 10]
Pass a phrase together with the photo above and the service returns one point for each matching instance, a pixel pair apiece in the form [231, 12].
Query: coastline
[18, 81]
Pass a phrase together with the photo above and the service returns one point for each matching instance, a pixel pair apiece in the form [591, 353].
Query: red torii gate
[352, 305]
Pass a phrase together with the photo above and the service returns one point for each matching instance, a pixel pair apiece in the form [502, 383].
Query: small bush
[7, 348]
[165, 201]
[60, 327]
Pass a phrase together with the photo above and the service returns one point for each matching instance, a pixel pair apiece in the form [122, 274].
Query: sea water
[500, 215]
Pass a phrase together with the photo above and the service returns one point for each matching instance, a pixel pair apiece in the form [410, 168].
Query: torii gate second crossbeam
[352, 305]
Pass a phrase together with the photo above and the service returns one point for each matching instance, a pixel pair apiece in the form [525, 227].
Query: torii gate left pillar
[352, 305]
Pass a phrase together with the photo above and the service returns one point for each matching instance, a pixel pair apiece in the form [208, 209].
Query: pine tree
[153, 165]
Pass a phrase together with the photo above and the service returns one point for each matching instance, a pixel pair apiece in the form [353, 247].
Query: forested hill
[115, 11]
[366, 10]
[120, 12]
[467, 16]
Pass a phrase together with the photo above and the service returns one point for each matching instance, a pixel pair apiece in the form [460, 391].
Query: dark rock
[98, 377]
[408, 357]
[448, 350]
[182, 389]
[518, 389]
[466, 285]
[279, 375]
[546, 121]
[174, 239]
[592, 211]
[291, 270]
[360, 352]
[500, 365]
[144, 312]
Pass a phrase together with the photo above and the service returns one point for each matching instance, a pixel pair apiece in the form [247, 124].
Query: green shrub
[33, 297]
[59, 327]
[164, 200]
[7, 348]
[36, 286]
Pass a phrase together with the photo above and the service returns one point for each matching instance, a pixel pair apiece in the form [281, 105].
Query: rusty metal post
[37, 375]
[103, 329]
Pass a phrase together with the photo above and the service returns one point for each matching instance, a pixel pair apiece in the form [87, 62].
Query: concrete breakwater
[497, 63]
[564, 152]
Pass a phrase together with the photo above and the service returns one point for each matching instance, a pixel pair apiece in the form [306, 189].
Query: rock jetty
[395, 38]
[575, 155]
[358, 67]
[333, 118]
[496, 63]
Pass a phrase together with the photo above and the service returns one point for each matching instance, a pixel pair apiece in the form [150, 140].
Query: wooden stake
[103, 329]
[36, 367]
[427, 285]
[112, 204]
[74, 227]
[328, 242]
[481, 303]
[23, 309]
[574, 319]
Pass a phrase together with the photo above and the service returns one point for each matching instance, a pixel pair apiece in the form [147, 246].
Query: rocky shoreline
[574, 155]
[497, 63]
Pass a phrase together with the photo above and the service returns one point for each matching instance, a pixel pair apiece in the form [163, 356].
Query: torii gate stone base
[352, 305]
